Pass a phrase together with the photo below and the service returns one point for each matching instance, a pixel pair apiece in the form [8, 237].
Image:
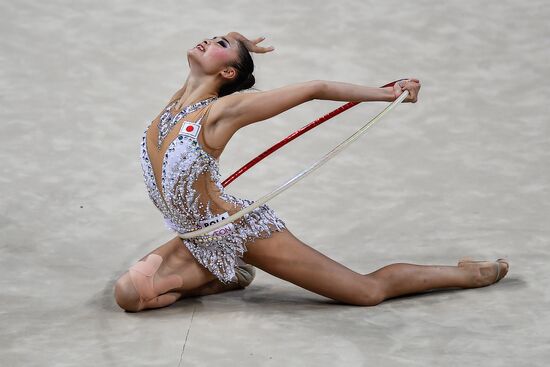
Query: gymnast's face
[213, 55]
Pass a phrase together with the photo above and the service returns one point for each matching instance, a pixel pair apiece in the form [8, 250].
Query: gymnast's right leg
[288, 258]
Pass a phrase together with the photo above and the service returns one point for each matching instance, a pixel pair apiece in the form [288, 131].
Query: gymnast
[180, 152]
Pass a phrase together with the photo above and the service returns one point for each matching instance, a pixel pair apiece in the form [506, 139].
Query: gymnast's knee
[372, 292]
[137, 289]
[126, 295]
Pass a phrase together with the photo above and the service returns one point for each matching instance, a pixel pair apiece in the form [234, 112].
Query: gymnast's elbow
[318, 89]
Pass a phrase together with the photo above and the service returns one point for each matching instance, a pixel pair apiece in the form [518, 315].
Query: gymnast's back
[181, 173]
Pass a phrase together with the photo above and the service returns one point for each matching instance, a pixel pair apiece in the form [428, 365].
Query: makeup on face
[220, 50]
[222, 42]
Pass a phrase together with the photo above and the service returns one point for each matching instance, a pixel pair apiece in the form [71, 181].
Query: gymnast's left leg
[288, 258]
[168, 273]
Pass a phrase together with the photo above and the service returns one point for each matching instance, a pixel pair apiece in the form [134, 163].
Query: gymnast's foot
[484, 273]
[244, 276]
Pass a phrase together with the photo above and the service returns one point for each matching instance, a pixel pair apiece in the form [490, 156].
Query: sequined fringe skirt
[221, 256]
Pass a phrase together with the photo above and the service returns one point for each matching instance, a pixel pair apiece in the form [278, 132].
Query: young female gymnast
[179, 155]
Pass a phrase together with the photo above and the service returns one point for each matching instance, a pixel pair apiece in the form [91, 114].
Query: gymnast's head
[224, 58]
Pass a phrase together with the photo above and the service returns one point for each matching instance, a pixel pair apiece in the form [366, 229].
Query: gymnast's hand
[412, 85]
[251, 45]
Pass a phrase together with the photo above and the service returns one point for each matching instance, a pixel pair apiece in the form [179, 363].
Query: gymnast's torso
[182, 176]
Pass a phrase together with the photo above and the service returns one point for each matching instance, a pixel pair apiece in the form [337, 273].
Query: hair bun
[244, 79]
[249, 82]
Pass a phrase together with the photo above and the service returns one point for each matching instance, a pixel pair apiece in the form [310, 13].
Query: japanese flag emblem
[190, 128]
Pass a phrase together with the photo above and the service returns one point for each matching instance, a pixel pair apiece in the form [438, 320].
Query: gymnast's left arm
[237, 110]
[339, 91]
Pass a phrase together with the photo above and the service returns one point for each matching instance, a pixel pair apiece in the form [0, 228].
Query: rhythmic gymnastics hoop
[298, 177]
[293, 136]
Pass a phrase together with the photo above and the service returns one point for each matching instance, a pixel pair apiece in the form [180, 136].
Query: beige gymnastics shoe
[499, 274]
[245, 274]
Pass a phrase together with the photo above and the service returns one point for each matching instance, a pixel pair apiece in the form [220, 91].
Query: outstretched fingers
[252, 45]
[260, 49]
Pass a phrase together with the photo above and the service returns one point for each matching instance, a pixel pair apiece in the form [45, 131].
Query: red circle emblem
[189, 128]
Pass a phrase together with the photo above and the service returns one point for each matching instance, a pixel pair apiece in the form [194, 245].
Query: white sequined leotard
[191, 195]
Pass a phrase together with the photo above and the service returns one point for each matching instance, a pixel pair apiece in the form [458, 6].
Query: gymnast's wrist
[389, 94]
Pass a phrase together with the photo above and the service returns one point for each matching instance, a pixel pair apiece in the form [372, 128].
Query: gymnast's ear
[229, 73]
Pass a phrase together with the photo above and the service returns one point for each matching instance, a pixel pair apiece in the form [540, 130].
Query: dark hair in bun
[244, 78]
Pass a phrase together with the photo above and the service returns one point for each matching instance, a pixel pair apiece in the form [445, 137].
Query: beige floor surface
[465, 171]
